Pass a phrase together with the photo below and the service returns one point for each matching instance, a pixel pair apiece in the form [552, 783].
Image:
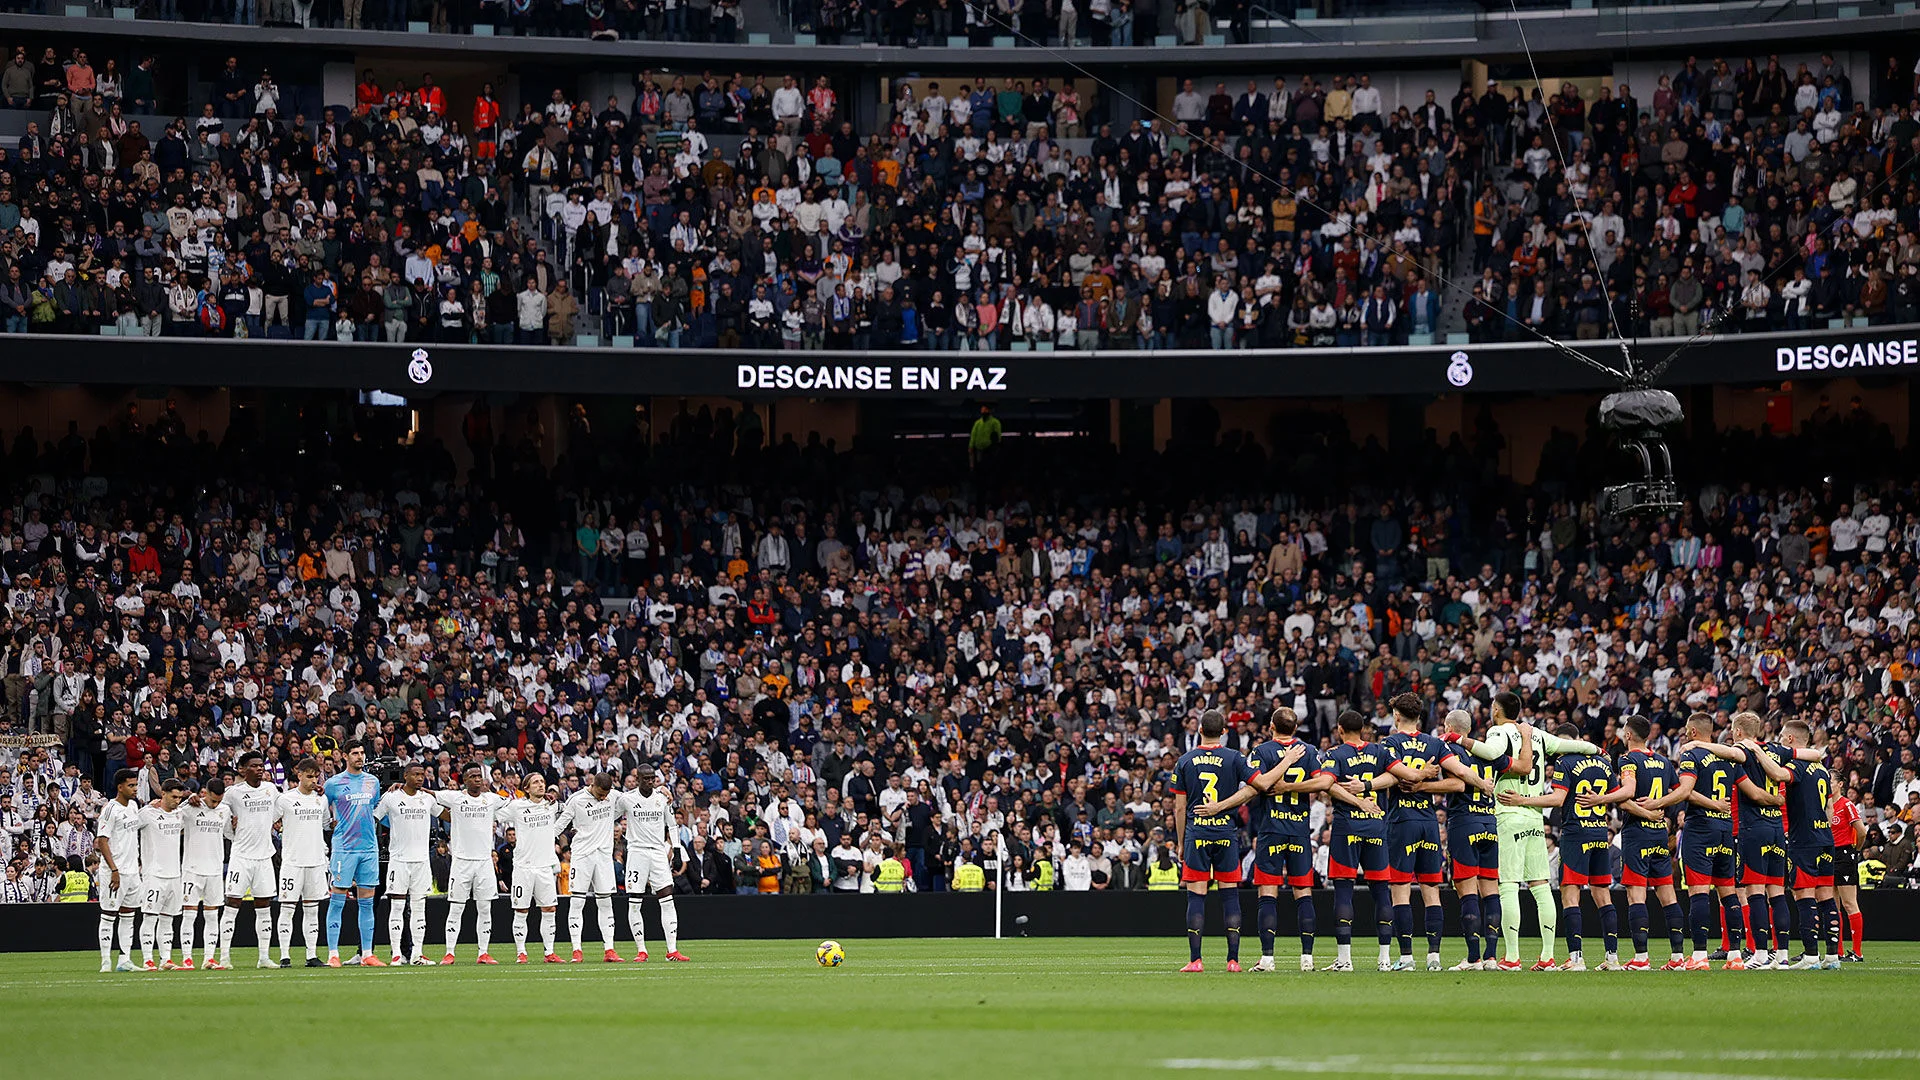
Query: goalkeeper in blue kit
[352, 797]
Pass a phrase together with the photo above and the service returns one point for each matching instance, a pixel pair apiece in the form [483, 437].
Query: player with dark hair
[352, 798]
[1413, 829]
[1282, 797]
[1359, 768]
[118, 843]
[1644, 845]
[251, 805]
[1586, 858]
[1209, 845]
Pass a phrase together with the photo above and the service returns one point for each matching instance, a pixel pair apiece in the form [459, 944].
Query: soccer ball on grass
[830, 954]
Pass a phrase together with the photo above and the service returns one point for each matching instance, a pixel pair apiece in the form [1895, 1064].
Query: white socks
[637, 922]
[396, 924]
[263, 929]
[603, 907]
[577, 919]
[670, 923]
[283, 927]
[520, 933]
[310, 928]
[126, 937]
[483, 924]
[546, 931]
[106, 939]
[455, 910]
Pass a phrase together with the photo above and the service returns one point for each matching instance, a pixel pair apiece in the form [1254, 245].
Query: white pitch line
[1483, 1069]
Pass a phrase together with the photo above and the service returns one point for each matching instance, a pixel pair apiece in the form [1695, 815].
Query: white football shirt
[536, 824]
[303, 828]
[472, 832]
[121, 827]
[160, 834]
[409, 821]
[648, 820]
[206, 844]
[592, 820]
[251, 812]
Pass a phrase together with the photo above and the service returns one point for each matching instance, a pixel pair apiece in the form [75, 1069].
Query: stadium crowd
[832, 654]
[1014, 214]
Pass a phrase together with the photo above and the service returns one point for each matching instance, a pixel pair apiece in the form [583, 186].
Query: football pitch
[957, 1007]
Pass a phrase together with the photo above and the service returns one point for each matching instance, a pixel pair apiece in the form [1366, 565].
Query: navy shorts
[1586, 860]
[1763, 856]
[1282, 860]
[1648, 861]
[1211, 860]
[1352, 856]
[1473, 843]
[1413, 852]
[1813, 867]
[1708, 855]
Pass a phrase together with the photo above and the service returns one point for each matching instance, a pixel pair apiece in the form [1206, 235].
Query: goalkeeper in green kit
[1521, 823]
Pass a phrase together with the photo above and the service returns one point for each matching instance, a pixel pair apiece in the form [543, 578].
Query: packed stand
[1300, 213]
[1034, 23]
[832, 653]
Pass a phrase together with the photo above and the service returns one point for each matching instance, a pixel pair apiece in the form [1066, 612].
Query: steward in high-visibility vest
[890, 876]
[1163, 876]
[1042, 875]
[968, 877]
[74, 887]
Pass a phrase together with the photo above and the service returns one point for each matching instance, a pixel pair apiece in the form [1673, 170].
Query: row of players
[1755, 812]
[170, 857]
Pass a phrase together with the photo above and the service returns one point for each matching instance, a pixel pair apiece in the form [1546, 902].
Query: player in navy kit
[1644, 842]
[1760, 837]
[1282, 796]
[1473, 845]
[1704, 787]
[1586, 861]
[1413, 829]
[1360, 768]
[1209, 845]
[1809, 788]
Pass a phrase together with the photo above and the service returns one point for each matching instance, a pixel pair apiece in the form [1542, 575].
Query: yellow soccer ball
[830, 954]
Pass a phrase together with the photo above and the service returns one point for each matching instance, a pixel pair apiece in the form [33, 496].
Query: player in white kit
[118, 842]
[409, 813]
[651, 858]
[251, 805]
[161, 833]
[204, 858]
[535, 820]
[302, 814]
[472, 878]
[592, 814]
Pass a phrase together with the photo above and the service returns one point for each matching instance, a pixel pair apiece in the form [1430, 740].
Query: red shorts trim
[1572, 877]
[1339, 871]
[1714, 882]
[1749, 877]
[1261, 877]
[1302, 881]
[1463, 872]
[1433, 877]
[1802, 880]
[1399, 877]
[1224, 877]
[1628, 877]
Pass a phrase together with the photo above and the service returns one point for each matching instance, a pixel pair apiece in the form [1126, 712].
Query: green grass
[956, 1007]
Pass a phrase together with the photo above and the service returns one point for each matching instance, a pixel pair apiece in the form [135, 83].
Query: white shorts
[252, 878]
[127, 897]
[299, 884]
[533, 887]
[648, 871]
[200, 890]
[162, 897]
[592, 875]
[471, 880]
[413, 880]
